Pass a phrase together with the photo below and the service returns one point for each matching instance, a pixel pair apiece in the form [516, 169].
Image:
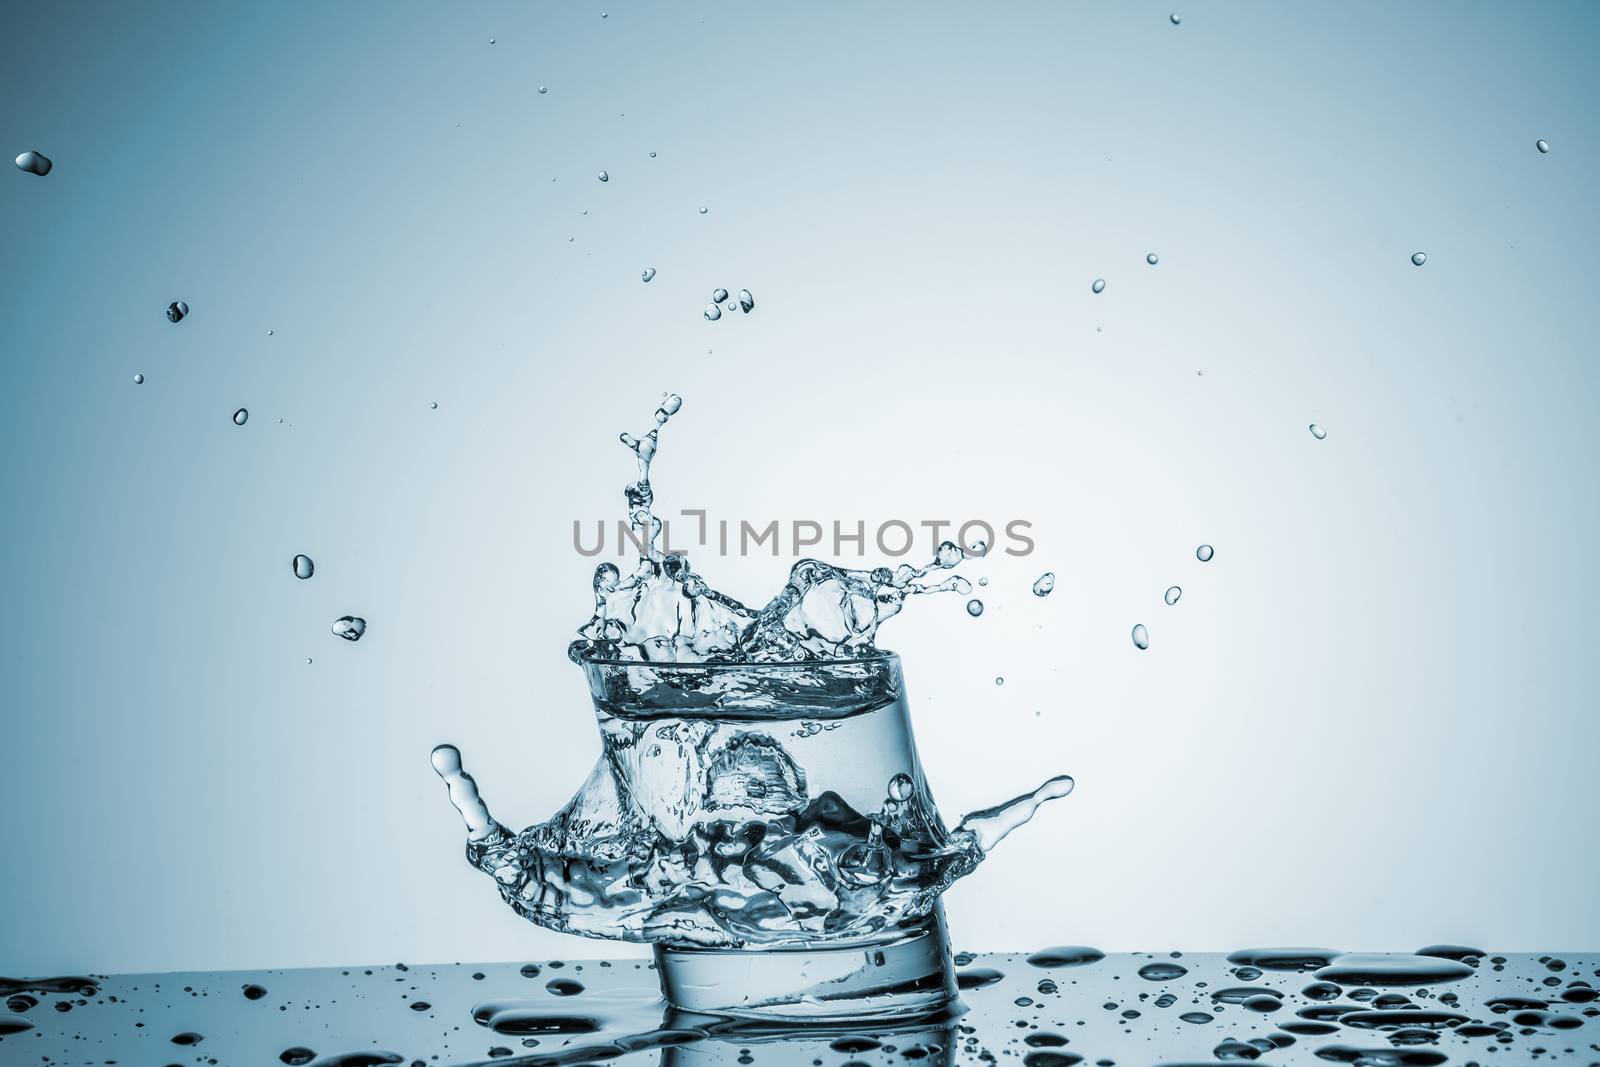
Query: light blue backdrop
[1370, 721]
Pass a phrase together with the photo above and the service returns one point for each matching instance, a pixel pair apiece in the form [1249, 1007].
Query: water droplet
[747, 303]
[1395, 969]
[38, 163]
[269, 333]
[176, 311]
[1172, 594]
[433, 405]
[1066, 956]
[188, 1037]
[297, 1056]
[1418, 258]
[421, 1005]
[649, 272]
[704, 210]
[1099, 285]
[999, 680]
[1043, 585]
[1152, 259]
[1162, 972]
[304, 567]
[542, 91]
[491, 40]
[241, 416]
[138, 379]
[719, 295]
[1141, 637]
[349, 627]
[652, 155]
[603, 176]
[974, 607]
[1175, 19]
[254, 992]
[978, 977]
[1541, 144]
[1198, 1018]
[1317, 431]
[1204, 553]
[564, 987]
[713, 313]
[901, 787]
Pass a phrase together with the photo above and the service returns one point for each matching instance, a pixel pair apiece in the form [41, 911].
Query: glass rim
[878, 656]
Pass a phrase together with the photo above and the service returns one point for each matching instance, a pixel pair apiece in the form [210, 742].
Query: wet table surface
[1054, 1008]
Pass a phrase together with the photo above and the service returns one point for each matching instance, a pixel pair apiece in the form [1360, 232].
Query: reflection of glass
[767, 826]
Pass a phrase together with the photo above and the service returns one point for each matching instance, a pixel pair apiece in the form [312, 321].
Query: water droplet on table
[1141, 637]
[564, 987]
[304, 567]
[1171, 595]
[241, 416]
[1204, 553]
[349, 627]
[974, 607]
[1162, 972]
[38, 163]
[1066, 956]
[649, 272]
[1043, 584]
[1099, 285]
[176, 311]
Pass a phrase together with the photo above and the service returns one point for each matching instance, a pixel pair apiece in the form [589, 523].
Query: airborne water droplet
[241, 416]
[1317, 431]
[713, 313]
[1141, 637]
[37, 163]
[138, 379]
[999, 680]
[1175, 19]
[1418, 258]
[703, 210]
[901, 787]
[1044, 584]
[1172, 595]
[1152, 259]
[974, 607]
[747, 303]
[1204, 553]
[543, 90]
[1099, 285]
[603, 176]
[176, 311]
[649, 272]
[1542, 145]
[304, 567]
[349, 627]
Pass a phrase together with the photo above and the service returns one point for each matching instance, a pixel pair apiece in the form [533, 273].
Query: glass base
[906, 976]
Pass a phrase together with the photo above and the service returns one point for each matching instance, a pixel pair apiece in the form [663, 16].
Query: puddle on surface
[1284, 1006]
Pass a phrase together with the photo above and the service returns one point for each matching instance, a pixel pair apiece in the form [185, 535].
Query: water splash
[758, 784]
[663, 611]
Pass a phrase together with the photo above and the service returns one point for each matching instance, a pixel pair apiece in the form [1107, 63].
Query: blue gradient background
[1369, 722]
